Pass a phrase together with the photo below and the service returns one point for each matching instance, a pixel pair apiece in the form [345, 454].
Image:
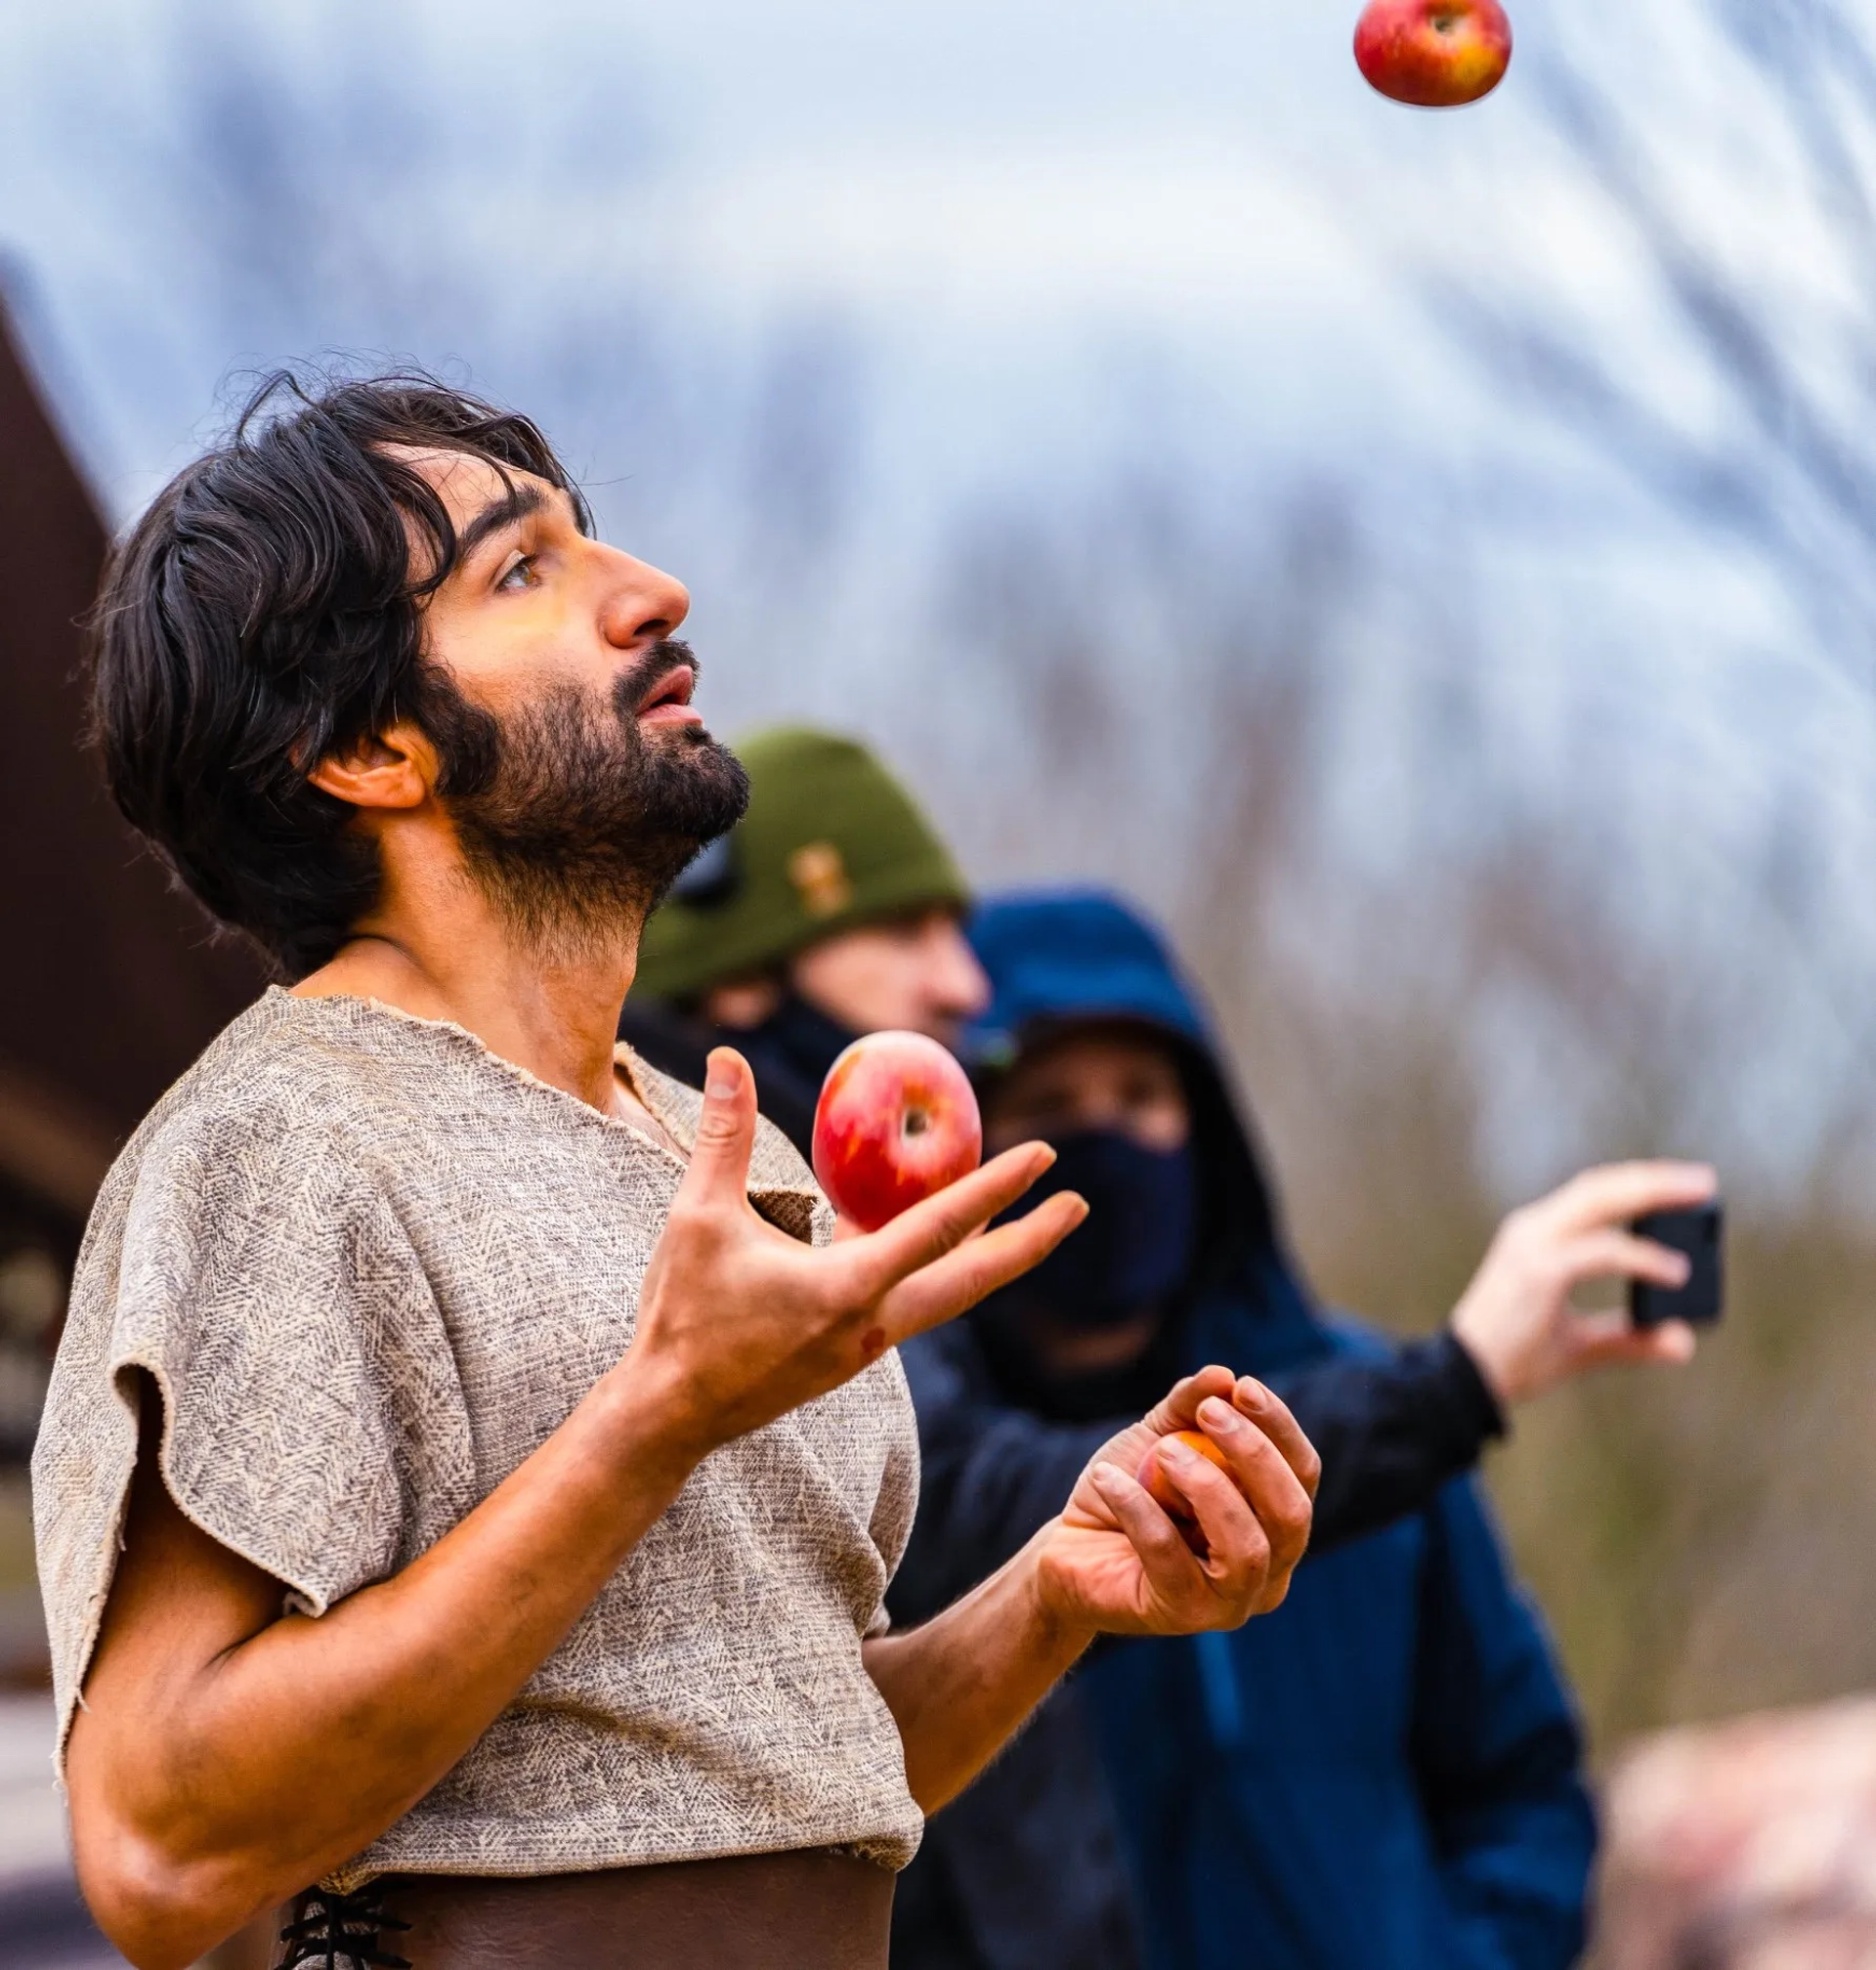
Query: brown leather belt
[805, 1910]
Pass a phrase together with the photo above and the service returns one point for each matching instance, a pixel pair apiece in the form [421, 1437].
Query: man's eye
[521, 575]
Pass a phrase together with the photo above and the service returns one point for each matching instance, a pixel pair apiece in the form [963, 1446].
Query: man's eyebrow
[519, 502]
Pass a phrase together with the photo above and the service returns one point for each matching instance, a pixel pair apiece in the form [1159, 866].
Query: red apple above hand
[1435, 54]
[896, 1121]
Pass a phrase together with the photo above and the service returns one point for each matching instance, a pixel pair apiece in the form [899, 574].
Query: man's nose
[644, 604]
[963, 990]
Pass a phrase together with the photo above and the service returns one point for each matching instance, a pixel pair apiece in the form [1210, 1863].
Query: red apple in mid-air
[1436, 54]
[896, 1121]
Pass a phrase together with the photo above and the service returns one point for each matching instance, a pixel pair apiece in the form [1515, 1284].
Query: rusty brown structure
[110, 982]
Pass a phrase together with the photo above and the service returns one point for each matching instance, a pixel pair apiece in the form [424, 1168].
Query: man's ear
[395, 768]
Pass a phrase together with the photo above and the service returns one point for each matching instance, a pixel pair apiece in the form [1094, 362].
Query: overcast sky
[1046, 234]
[1007, 191]
[998, 249]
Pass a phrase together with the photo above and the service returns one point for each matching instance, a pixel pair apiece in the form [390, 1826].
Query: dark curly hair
[265, 613]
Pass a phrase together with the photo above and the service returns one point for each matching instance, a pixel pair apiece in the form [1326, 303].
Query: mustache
[637, 678]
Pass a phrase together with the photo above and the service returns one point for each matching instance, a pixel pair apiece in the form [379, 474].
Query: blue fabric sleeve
[1498, 1754]
[1393, 1423]
[1392, 1427]
[992, 1474]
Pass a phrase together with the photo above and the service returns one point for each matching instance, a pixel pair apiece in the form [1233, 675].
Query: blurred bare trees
[1439, 965]
[1453, 962]
[1729, 1512]
[334, 195]
[1769, 437]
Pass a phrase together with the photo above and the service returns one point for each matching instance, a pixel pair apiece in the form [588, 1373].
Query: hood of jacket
[1067, 957]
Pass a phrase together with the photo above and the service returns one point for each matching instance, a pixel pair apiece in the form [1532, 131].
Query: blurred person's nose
[956, 987]
[1085, 1104]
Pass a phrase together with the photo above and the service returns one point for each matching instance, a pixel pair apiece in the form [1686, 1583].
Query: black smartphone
[1697, 1233]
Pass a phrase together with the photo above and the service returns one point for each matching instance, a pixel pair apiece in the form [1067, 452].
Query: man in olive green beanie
[832, 910]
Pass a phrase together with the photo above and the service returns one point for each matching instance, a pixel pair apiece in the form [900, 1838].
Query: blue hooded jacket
[1382, 1775]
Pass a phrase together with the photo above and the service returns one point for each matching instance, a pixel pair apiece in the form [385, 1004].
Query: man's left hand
[960, 1684]
[1116, 1563]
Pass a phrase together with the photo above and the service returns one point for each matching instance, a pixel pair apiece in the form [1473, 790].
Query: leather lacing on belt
[343, 1932]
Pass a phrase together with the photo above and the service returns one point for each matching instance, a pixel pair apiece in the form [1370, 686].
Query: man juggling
[473, 1471]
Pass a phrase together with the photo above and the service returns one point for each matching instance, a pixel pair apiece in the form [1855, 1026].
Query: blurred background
[1430, 559]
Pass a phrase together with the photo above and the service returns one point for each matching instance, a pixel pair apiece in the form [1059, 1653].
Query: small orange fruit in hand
[1155, 1480]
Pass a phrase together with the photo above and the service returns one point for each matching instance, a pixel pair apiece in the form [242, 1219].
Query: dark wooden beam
[110, 982]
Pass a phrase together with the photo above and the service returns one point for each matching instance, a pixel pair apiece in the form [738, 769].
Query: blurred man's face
[913, 974]
[578, 775]
[1104, 1077]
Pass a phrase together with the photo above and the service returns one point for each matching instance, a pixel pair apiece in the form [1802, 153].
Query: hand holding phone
[1518, 1320]
[1697, 1233]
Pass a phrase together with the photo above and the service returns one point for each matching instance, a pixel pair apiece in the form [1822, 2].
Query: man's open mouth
[668, 701]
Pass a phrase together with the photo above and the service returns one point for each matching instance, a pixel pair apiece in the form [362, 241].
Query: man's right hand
[1516, 1319]
[738, 1323]
[318, 1735]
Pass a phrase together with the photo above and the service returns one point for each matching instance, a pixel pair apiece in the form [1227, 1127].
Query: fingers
[1270, 1415]
[1606, 1339]
[1248, 1520]
[1674, 1343]
[942, 1223]
[1619, 1191]
[719, 1164]
[1178, 1407]
[1620, 1254]
[945, 1288]
[1269, 1484]
[1233, 1544]
[1170, 1563]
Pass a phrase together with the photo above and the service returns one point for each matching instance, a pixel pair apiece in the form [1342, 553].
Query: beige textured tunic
[372, 1267]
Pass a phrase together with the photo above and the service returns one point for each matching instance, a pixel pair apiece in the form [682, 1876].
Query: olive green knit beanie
[831, 840]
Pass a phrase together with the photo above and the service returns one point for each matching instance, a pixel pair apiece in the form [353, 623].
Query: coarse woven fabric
[371, 1266]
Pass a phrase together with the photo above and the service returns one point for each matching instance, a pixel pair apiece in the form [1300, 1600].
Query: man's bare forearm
[243, 1755]
[960, 1685]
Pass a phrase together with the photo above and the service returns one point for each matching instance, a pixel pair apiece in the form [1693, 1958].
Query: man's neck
[554, 1012]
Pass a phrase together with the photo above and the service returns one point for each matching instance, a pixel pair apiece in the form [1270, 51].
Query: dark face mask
[1137, 1245]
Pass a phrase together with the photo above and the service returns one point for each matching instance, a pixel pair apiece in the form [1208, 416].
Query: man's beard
[573, 820]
